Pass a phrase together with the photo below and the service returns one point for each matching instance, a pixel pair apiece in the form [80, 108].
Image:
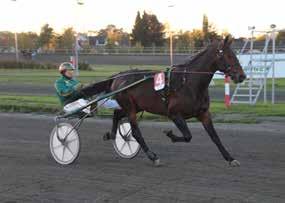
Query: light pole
[171, 47]
[170, 37]
[76, 47]
[16, 43]
[252, 29]
[16, 47]
[273, 27]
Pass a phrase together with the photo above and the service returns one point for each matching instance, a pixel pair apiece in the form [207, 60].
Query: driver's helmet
[65, 66]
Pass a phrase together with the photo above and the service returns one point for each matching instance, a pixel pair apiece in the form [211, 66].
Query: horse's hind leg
[181, 124]
[117, 116]
[138, 136]
[206, 120]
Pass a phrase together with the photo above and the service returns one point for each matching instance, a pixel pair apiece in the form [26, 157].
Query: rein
[170, 70]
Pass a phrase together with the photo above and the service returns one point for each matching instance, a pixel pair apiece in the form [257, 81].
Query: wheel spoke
[123, 146]
[69, 150]
[58, 146]
[128, 131]
[130, 147]
[63, 153]
[128, 134]
[70, 141]
[62, 132]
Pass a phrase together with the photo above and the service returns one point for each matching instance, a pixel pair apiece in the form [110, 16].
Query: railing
[101, 50]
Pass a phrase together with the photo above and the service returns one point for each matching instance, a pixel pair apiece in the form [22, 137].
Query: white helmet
[65, 66]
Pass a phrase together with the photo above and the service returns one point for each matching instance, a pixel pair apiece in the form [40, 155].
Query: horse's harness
[224, 63]
[167, 89]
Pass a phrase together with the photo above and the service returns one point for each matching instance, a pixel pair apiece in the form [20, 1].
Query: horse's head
[227, 62]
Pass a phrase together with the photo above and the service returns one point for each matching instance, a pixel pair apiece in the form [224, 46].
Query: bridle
[228, 67]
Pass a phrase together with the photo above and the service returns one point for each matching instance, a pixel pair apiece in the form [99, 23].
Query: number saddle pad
[159, 81]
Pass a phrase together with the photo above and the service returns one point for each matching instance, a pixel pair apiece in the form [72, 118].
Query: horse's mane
[193, 59]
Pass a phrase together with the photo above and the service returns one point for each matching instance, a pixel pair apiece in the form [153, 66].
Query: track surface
[192, 172]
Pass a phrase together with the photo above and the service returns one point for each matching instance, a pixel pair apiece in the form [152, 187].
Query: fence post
[227, 91]
[72, 60]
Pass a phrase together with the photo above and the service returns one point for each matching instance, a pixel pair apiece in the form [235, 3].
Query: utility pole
[170, 36]
[251, 65]
[273, 27]
[16, 43]
[76, 47]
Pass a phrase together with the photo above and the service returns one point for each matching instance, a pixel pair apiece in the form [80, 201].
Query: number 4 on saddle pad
[159, 81]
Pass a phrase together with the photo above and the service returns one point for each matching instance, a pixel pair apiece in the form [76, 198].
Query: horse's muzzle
[242, 78]
[238, 78]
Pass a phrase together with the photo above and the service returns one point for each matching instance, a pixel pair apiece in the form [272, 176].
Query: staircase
[249, 91]
[257, 71]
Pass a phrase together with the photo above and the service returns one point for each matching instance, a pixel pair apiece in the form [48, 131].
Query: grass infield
[100, 72]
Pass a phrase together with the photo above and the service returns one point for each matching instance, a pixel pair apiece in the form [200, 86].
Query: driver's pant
[73, 106]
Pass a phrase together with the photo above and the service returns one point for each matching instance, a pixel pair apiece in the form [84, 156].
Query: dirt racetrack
[193, 172]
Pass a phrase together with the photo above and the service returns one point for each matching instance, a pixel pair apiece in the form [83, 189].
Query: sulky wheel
[64, 144]
[125, 144]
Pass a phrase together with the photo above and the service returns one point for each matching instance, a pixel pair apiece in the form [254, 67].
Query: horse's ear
[228, 40]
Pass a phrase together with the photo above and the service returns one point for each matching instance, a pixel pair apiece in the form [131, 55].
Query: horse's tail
[105, 85]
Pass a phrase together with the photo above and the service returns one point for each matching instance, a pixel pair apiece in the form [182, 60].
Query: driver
[73, 95]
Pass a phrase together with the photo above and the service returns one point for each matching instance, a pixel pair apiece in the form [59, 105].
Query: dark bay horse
[188, 95]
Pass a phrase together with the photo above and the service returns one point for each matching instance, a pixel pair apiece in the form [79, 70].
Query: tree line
[147, 31]
[47, 39]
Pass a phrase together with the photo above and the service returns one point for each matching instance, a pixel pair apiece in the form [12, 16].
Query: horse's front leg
[181, 124]
[206, 120]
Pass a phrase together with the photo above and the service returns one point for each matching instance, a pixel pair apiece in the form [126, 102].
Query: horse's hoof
[156, 162]
[107, 136]
[234, 163]
[169, 134]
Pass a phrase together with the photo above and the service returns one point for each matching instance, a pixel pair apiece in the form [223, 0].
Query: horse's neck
[203, 68]
[207, 70]
[204, 79]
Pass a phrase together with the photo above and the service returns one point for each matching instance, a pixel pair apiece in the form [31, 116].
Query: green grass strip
[234, 114]
[99, 72]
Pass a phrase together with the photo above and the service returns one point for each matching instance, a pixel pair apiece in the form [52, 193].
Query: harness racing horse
[187, 95]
